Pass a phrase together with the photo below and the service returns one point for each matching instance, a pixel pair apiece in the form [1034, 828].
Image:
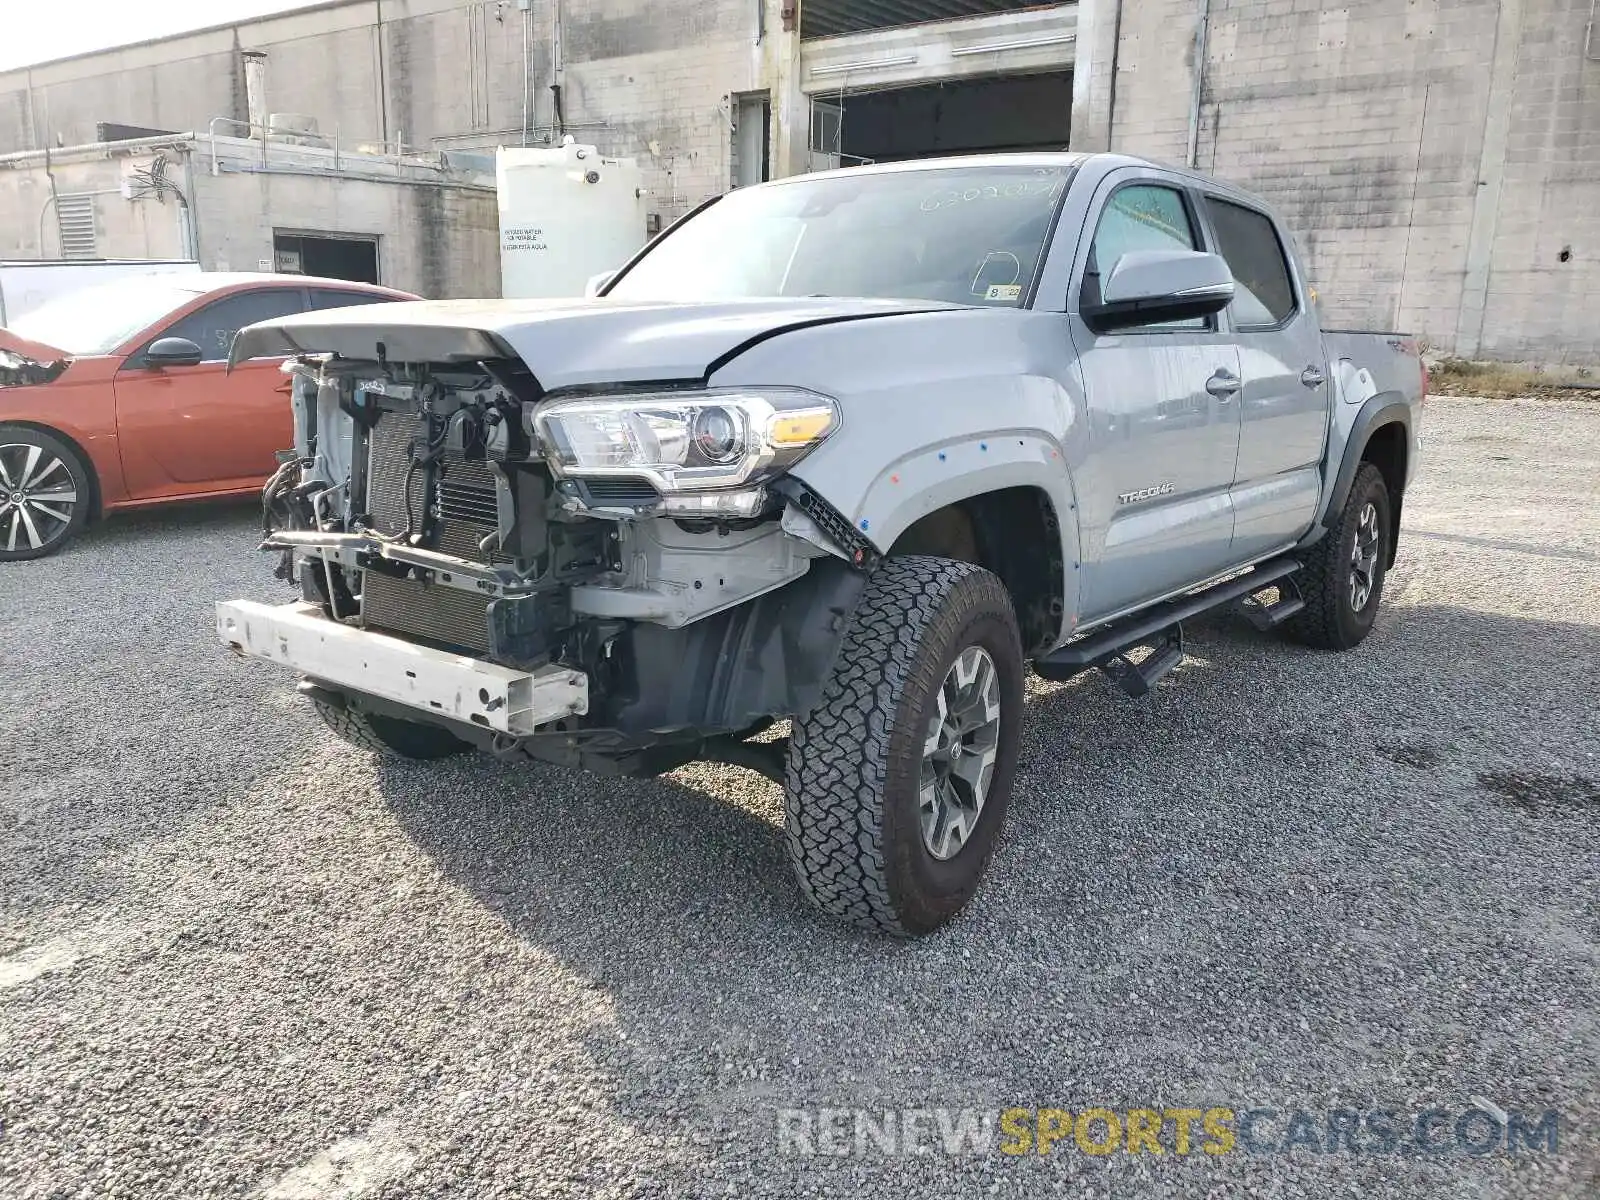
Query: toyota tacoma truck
[844, 453]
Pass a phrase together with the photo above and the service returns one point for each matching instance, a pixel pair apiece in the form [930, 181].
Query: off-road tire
[58, 449]
[390, 737]
[851, 784]
[1329, 621]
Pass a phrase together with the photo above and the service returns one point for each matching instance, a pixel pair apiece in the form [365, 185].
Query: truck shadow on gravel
[1227, 857]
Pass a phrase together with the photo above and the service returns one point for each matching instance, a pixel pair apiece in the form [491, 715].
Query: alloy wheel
[38, 497]
[958, 755]
[1364, 558]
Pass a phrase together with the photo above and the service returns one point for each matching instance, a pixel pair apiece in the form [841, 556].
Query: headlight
[686, 441]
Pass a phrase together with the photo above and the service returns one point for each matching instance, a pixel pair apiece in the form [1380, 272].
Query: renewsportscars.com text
[1477, 1129]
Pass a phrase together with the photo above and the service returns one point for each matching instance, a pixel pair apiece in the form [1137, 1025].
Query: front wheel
[44, 493]
[390, 737]
[898, 781]
[1342, 580]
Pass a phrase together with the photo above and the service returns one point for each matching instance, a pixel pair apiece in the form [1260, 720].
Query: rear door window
[1263, 292]
[212, 327]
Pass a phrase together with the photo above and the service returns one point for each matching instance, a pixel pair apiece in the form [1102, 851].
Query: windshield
[96, 320]
[967, 235]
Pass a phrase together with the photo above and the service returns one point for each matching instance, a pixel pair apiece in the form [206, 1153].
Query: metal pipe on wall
[557, 113]
[527, 64]
[1200, 30]
[255, 89]
[191, 217]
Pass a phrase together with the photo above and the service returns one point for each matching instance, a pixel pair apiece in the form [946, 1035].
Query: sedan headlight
[686, 441]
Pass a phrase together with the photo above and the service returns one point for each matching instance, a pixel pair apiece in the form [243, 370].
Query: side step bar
[1160, 627]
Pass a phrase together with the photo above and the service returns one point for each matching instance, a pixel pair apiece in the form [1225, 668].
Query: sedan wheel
[44, 494]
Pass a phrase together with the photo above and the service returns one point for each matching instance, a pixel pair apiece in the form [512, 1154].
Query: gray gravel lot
[239, 957]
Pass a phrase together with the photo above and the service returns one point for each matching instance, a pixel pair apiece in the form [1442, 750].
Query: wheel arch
[96, 509]
[1380, 434]
[1388, 448]
[1002, 530]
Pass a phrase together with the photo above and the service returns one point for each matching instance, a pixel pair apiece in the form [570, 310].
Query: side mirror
[596, 282]
[1151, 287]
[172, 352]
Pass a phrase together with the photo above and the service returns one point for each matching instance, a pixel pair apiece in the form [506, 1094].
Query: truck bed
[1362, 363]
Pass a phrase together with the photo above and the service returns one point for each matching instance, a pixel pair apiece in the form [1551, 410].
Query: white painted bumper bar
[432, 681]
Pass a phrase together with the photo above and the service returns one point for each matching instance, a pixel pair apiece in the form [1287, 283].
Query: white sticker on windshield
[1004, 291]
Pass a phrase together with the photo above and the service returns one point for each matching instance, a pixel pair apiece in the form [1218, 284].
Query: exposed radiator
[467, 515]
[441, 614]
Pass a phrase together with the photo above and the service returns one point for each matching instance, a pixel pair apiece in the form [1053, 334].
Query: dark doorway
[752, 150]
[1018, 112]
[331, 256]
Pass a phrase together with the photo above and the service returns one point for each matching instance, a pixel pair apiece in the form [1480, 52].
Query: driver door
[1162, 400]
[187, 430]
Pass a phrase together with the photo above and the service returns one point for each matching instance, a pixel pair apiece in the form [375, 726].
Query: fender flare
[1386, 408]
[944, 473]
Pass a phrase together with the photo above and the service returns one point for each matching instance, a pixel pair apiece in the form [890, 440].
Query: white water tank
[566, 214]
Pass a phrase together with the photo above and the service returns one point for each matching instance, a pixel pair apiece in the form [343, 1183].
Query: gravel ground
[239, 957]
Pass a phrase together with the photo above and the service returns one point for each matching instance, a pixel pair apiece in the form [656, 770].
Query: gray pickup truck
[845, 451]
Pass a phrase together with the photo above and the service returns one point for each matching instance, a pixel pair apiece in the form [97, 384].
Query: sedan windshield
[96, 320]
[965, 235]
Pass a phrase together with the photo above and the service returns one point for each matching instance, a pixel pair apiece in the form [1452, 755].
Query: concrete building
[423, 223]
[1439, 159]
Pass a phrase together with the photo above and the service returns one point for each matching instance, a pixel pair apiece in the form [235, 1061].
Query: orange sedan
[119, 397]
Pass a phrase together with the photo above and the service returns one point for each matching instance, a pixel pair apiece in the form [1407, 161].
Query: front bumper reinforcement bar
[430, 681]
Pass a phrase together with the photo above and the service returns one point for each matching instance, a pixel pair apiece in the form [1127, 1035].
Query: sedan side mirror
[596, 282]
[172, 352]
[1152, 287]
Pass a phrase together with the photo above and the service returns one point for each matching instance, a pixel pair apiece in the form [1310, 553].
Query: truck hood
[563, 342]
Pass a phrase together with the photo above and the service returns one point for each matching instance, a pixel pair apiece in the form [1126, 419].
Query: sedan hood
[563, 342]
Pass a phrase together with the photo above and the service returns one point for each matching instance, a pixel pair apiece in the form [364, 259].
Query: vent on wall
[75, 224]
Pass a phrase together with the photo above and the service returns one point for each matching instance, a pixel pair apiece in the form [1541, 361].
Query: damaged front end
[18, 370]
[608, 579]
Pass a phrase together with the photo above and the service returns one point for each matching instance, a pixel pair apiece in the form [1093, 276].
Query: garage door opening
[352, 258]
[968, 116]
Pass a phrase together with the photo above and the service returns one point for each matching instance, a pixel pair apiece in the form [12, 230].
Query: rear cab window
[1247, 239]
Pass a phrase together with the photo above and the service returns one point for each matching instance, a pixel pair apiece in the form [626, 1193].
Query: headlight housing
[685, 441]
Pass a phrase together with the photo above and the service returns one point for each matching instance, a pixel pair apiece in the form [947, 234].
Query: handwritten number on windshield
[1044, 188]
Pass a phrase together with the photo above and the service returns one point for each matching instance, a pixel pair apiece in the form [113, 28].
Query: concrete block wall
[1365, 126]
[321, 62]
[438, 241]
[1439, 159]
[1540, 305]
[670, 112]
[143, 228]
[639, 79]
[1434, 157]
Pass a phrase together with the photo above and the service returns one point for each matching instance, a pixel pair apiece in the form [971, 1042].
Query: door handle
[1313, 378]
[1223, 385]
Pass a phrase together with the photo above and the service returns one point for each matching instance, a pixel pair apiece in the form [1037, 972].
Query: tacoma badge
[1158, 489]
